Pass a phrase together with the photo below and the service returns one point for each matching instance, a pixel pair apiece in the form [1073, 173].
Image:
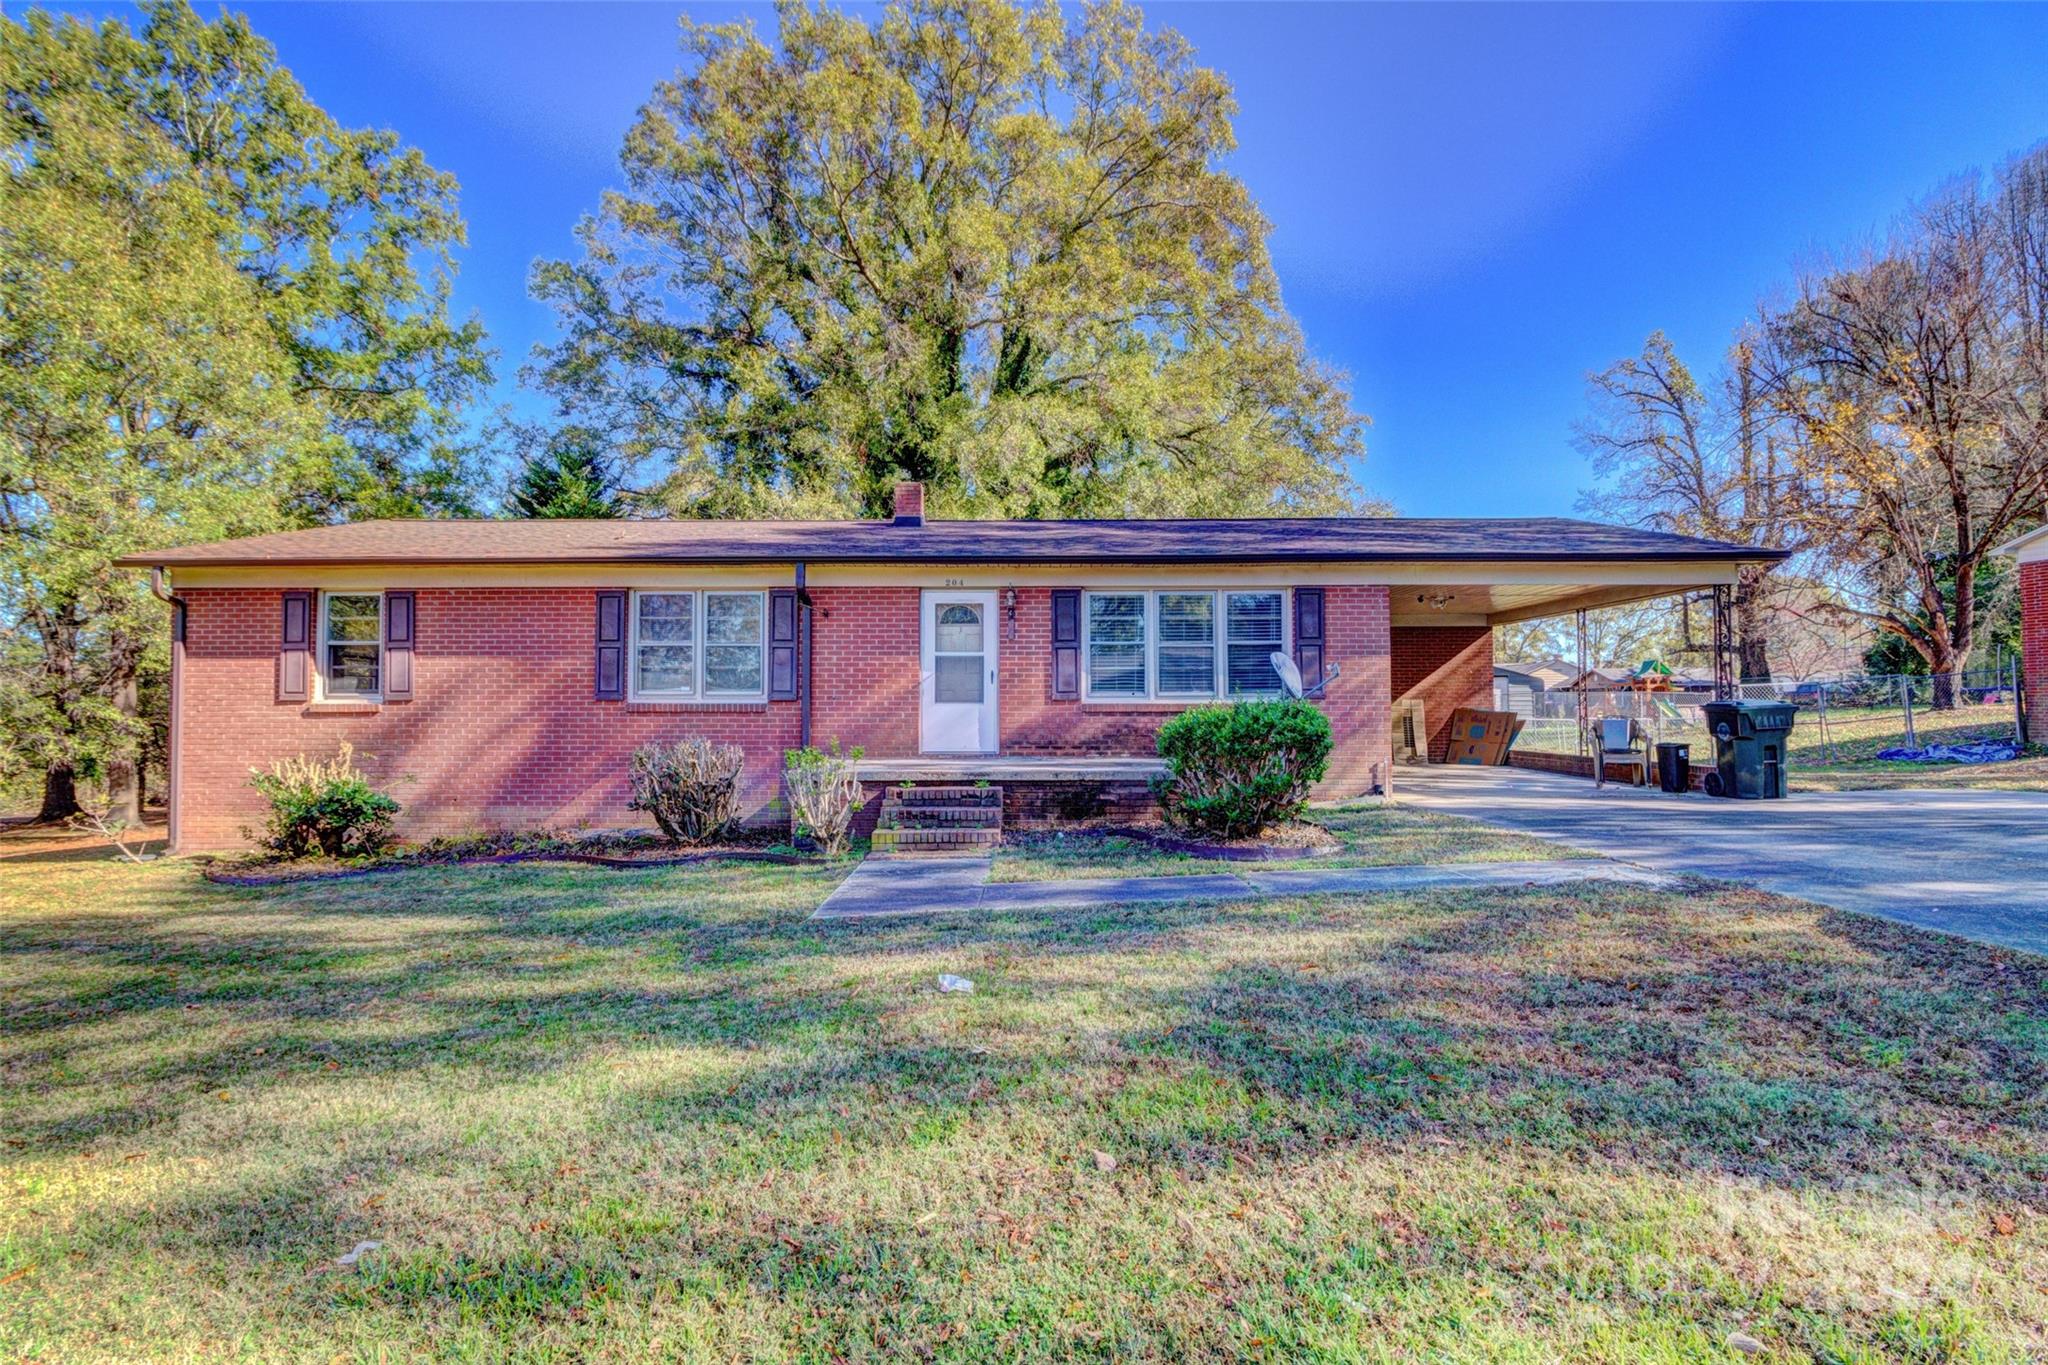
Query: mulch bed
[628, 856]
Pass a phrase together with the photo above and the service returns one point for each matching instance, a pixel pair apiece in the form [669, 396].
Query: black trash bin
[1674, 767]
[1749, 748]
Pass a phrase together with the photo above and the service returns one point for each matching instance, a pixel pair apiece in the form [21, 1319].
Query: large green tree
[220, 312]
[989, 248]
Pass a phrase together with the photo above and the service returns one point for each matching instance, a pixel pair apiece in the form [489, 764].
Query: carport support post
[1580, 685]
[1724, 642]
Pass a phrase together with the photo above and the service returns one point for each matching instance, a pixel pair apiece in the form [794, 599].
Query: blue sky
[1473, 205]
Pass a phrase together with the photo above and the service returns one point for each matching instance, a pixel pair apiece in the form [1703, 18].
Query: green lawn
[656, 1115]
[1370, 834]
[1857, 736]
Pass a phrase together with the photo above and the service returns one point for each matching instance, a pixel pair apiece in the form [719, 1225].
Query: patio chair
[1619, 739]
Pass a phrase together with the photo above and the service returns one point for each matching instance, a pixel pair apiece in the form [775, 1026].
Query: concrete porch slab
[999, 768]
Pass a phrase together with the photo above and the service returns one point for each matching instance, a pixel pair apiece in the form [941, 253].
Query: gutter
[804, 640]
[174, 763]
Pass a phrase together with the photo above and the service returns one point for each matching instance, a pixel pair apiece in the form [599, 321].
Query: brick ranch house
[498, 674]
[2031, 551]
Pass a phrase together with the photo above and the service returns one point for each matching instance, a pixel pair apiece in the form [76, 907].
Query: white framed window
[699, 644]
[1182, 644]
[352, 645]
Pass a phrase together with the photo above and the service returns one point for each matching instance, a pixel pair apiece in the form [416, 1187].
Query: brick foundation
[1581, 765]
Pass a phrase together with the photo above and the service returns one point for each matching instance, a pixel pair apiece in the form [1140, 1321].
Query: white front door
[957, 656]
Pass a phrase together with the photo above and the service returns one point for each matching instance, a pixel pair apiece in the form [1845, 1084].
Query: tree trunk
[124, 771]
[60, 794]
[1752, 638]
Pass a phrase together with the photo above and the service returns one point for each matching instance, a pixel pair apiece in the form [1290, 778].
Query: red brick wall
[866, 669]
[1445, 667]
[1355, 639]
[2034, 646]
[504, 733]
[1581, 765]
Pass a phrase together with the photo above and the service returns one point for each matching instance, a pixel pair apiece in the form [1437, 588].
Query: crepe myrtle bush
[1232, 771]
[824, 793]
[690, 787]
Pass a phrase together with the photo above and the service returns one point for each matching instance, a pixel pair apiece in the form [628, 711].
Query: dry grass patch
[595, 1115]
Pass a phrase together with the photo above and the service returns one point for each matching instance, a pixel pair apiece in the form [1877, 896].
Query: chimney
[910, 504]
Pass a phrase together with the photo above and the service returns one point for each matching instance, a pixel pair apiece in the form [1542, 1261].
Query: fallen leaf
[1104, 1161]
[2003, 1224]
[22, 1273]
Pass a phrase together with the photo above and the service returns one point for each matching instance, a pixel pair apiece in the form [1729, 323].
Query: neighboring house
[2031, 550]
[498, 674]
[1516, 685]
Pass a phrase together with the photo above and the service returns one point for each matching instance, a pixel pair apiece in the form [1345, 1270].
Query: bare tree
[1699, 460]
[1916, 379]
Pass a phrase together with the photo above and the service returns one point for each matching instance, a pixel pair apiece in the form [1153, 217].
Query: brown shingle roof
[1154, 542]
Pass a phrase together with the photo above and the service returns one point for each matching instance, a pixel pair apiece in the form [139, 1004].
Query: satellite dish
[1290, 676]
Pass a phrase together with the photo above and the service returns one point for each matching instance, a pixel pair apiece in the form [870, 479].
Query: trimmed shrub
[1234, 770]
[327, 807]
[691, 787]
[823, 794]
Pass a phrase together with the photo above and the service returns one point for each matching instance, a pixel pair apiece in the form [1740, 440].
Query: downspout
[174, 746]
[803, 660]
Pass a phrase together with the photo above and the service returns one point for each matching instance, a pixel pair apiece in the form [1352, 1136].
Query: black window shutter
[782, 619]
[398, 646]
[611, 645]
[1308, 634]
[1066, 644]
[295, 648]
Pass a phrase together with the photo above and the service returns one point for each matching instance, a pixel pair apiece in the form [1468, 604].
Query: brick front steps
[939, 820]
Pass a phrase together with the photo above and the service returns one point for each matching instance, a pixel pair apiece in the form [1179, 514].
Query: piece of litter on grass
[1745, 1343]
[955, 985]
[362, 1249]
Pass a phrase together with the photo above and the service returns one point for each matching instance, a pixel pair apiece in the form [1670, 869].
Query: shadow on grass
[1714, 1030]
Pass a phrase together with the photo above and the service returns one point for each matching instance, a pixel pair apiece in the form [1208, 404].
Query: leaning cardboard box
[1482, 738]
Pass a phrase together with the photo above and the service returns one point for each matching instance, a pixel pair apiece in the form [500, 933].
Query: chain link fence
[1844, 721]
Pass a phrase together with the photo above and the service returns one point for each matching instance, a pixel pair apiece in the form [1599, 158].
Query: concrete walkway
[937, 886]
[1973, 863]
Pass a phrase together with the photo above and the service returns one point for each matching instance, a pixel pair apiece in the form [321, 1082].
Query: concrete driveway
[1969, 862]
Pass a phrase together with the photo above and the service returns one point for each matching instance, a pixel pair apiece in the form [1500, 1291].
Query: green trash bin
[1749, 748]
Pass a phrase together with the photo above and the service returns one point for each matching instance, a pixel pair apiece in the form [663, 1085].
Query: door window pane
[957, 678]
[1187, 644]
[1116, 644]
[958, 630]
[1255, 623]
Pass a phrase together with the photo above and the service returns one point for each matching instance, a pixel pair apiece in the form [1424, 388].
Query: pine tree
[568, 479]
